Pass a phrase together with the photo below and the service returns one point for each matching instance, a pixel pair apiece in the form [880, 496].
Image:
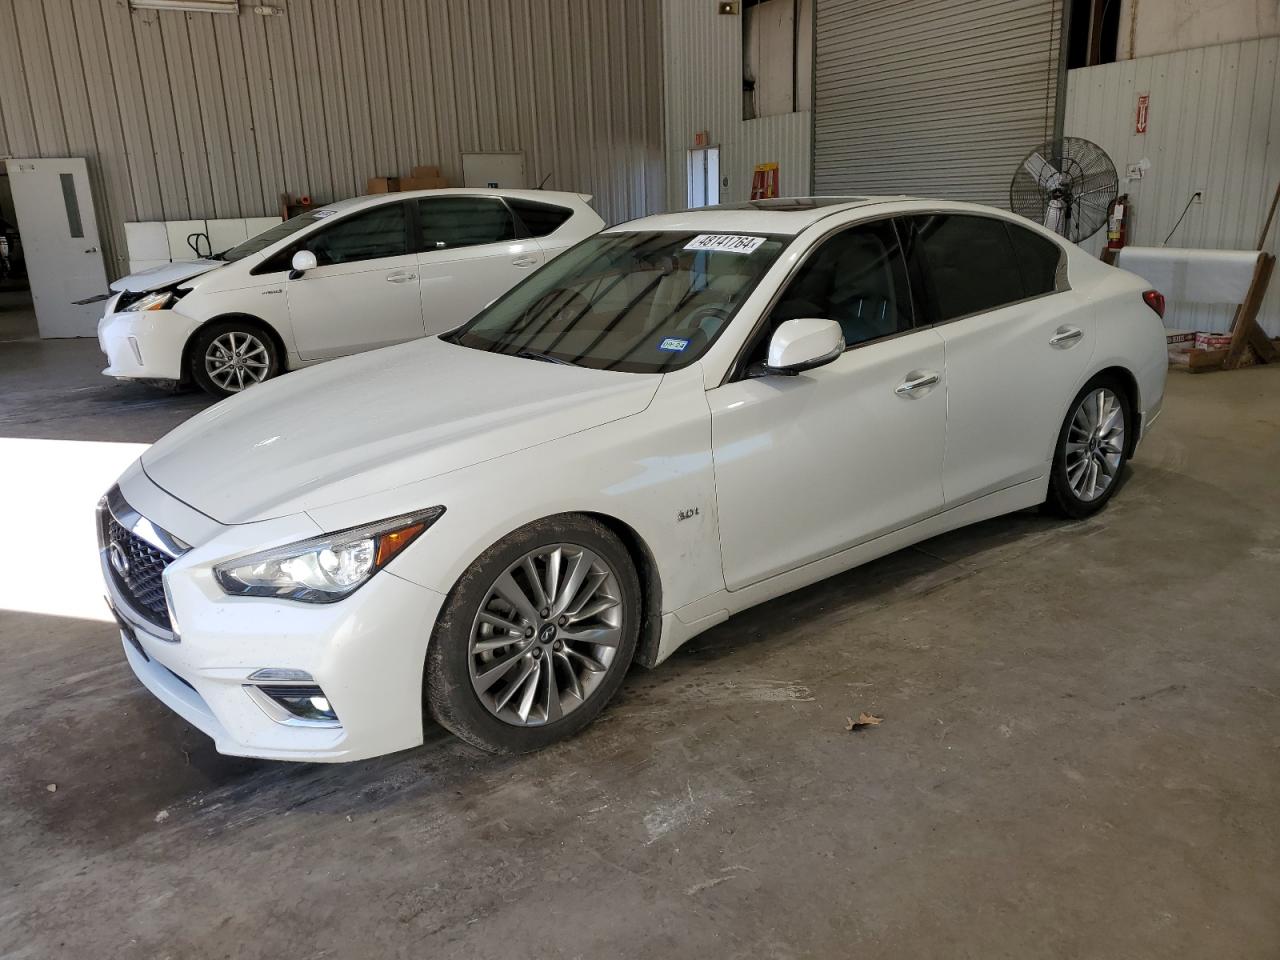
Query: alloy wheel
[545, 635]
[1095, 444]
[236, 359]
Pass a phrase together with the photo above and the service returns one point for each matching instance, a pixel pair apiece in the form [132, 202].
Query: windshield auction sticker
[724, 242]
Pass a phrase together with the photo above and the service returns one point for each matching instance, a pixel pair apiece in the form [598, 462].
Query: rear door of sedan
[1018, 342]
[471, 250]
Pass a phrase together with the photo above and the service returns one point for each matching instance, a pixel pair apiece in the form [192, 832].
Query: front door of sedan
[469, 253]
[812, 464]
[364, 291]
[1018, 344]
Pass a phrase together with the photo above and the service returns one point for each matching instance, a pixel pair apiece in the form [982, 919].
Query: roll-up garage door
[932, 97]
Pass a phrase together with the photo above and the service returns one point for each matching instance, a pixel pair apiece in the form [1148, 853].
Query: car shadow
[123, 762]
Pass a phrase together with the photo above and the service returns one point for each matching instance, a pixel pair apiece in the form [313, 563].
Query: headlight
[152, 301]
[327, 568]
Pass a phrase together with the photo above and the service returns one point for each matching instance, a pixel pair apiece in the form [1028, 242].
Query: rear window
[458, 221]
[970, 261]
[1038, 259]
[540, 219]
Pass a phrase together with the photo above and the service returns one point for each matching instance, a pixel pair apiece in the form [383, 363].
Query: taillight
[1155, 300]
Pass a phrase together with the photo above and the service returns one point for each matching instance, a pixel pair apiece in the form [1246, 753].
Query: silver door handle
[1065, 336]
[907, 388]
[402, 277]
[524, 261]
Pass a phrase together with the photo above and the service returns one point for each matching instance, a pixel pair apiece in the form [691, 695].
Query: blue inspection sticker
[673, 344]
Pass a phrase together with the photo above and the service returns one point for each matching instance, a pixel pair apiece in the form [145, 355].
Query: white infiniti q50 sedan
[680, 417]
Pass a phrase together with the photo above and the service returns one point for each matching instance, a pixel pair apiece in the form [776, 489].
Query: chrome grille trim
[148, 550]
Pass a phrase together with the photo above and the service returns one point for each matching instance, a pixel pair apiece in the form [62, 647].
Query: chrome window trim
[736, 371]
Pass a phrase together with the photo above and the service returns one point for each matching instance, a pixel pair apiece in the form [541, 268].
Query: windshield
[635, 302]
[286, 228]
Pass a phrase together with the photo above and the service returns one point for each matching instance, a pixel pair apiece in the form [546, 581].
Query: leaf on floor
[864, 720]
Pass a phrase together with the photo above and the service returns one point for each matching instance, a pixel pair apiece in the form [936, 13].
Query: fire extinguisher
[1118, 222]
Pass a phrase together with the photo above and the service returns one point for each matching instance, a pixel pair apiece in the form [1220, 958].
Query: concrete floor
[17, 315]
[1078, 757]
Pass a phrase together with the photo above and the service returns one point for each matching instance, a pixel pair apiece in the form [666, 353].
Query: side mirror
[303, 261]
[803, 344]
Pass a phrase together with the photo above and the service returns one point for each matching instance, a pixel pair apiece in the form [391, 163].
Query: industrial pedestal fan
[1068, 185]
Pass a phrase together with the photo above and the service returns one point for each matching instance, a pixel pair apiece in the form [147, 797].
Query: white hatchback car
[683, 416]
[352, 276]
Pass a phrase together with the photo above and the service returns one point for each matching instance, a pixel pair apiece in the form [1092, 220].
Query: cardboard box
[1212, 341]
[382, 185]
[1172, 337]
[419, 172]
[422, 183]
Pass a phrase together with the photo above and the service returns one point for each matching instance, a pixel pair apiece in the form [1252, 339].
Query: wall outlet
[1198, 197]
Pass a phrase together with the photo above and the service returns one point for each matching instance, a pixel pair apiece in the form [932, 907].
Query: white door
[469, 255]
[60, 240]
[1017, 347]
[809, 465]
[493, 170]
[704, 178]
[364, 293]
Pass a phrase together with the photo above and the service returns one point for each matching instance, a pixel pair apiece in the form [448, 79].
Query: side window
[371, 235]
[540, 219]
[448, 222]
[857, 278]
[970, 262]
[1038, 259]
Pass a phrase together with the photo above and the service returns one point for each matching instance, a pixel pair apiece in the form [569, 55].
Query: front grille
[141, 582]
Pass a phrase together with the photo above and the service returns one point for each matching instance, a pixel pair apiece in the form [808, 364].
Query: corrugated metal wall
[1213, 125]
[196, 115]
[702, 62]
[932, 97]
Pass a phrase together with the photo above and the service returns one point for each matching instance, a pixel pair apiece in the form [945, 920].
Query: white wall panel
[199, 116]
[702, 60]
[1213, 125]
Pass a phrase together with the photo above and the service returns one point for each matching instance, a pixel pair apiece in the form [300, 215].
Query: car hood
[358, 426]
[165, 275]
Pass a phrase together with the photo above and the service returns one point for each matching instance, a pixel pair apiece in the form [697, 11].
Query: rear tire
[512, 677]
[1092, 449]
[232, 355]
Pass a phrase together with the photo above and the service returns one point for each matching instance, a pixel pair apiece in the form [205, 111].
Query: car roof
[542, 196]
[779, 215]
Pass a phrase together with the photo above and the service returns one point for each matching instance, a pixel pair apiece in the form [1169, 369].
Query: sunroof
[787, 204]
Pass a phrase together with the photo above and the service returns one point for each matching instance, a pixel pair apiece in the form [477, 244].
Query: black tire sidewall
[448, 693]
[211, 331]
[1062, 499]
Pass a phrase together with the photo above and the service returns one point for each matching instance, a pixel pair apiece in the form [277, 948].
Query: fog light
[294, 703]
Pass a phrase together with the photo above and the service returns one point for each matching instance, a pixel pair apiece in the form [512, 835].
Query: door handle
[524, 261]
[1065, 336]
[402, 276]
[916, 380]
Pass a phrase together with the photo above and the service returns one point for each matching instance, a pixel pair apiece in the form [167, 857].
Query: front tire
[1092, 449]
[536, 637]
[231, 356]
